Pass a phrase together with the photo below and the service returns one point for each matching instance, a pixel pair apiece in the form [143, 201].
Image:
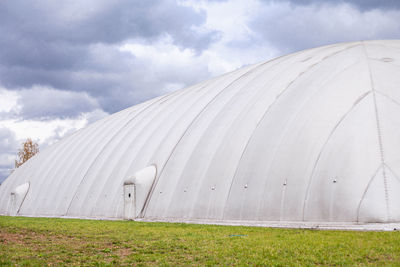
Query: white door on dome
[129, 202]
[17, 198]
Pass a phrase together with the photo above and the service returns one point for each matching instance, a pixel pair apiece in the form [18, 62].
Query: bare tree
[28, 150]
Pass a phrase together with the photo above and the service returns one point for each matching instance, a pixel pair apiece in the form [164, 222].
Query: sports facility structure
[311, 137]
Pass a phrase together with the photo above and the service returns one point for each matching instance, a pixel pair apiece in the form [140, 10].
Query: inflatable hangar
[308, 138]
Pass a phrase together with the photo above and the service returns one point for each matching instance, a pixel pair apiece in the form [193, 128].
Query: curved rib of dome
[313, 136]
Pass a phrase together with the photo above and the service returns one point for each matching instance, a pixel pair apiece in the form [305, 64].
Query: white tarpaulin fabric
[313, 136]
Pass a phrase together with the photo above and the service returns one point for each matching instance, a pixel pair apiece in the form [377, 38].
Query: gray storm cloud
[54, 103]
[68, 45]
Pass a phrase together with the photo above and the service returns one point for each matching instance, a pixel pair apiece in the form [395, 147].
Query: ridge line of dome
[379, 132]
[189, 126]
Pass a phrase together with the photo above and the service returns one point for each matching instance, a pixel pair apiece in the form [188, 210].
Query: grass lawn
[42, 241]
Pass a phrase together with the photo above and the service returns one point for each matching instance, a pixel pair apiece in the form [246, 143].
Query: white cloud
[239, 43]
[166, 62]
[8, 100]
[40, 131]
[41, 102]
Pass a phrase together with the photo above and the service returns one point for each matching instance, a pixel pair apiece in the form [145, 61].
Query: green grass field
[42, 241]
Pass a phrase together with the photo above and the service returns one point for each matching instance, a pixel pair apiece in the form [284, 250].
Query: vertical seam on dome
[388, 97]
[379, 132]
[366, 190]
[179, 94]
[181, 97]
[189, 126]
[393, 172]
[271, 64]
[59, 156]
[173, 97]
[57, 182]
[260, 90]
[273, 103]
[84, 149]
[139, 112]
[356, 103]
[257, 73]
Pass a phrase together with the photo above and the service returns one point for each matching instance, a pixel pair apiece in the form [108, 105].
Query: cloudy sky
[64, 64]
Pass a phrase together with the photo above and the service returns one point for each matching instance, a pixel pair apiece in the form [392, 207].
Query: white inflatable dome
[313, 136]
